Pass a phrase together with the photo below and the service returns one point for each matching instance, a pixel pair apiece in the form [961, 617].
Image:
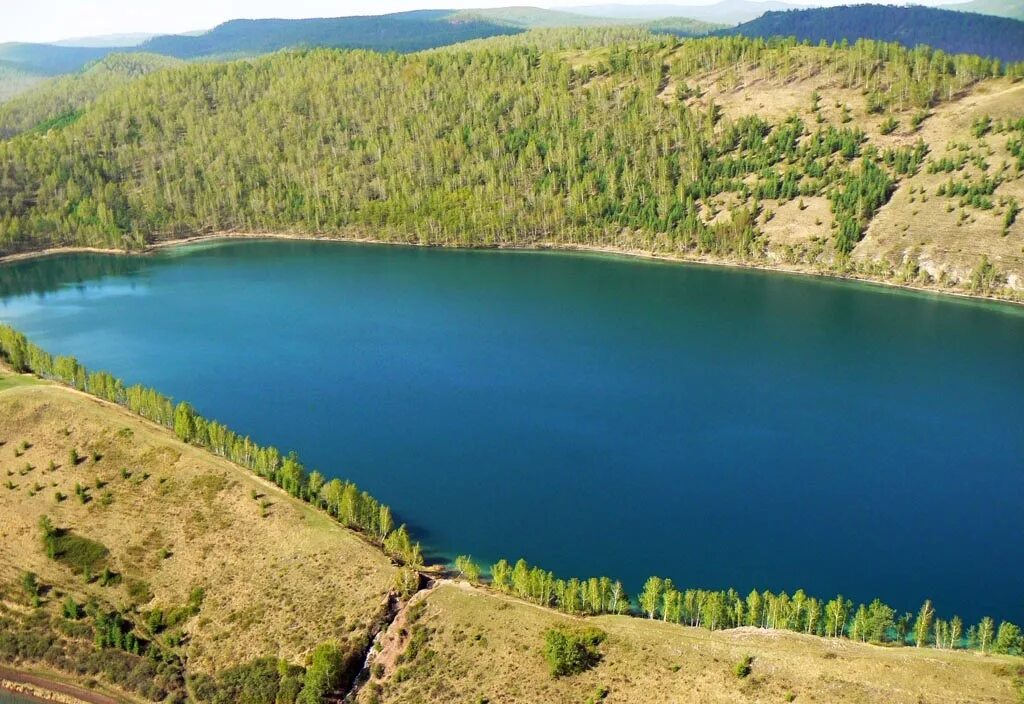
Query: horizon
[67, 20]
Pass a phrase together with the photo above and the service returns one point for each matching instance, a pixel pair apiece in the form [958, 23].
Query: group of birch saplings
[356, 509]
[660, 599]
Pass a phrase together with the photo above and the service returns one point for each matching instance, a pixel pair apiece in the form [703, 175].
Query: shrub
[572, 652]
[743, 667]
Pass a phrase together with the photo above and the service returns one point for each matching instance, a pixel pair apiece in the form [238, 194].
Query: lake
[596, 415]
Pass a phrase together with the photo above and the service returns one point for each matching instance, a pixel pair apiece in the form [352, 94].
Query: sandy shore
[45, 690]
[793, 269]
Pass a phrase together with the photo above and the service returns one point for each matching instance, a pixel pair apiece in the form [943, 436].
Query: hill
[952, 32]
[117, 41]
[722, 12]
[50, 59]
[58, 100]
[728, 149]
[404, 32]
[532, 17]
[14, 81]
[1013, 9]
[207, 566]
[169, 569]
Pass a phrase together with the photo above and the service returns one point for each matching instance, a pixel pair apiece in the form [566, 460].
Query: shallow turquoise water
[593, 414]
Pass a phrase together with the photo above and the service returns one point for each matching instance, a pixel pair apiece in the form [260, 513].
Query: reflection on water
[47, 274]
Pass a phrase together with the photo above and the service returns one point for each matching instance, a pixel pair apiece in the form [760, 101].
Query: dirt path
[48, 690]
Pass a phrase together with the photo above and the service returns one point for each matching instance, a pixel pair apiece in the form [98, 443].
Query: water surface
[593, 414]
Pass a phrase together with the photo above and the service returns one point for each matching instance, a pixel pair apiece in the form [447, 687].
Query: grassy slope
[908, 227]
[280, 584]
[488, 648]
[274, 586]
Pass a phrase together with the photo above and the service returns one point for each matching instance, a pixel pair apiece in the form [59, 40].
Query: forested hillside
[953, 32]
[15, 81]
[536, 18]
[1000, 8]
[49, 59]
[729, 148]
[58, 101]
[404, 31]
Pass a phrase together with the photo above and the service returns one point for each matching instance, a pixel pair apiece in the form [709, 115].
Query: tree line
[343, 500]
[660, 598]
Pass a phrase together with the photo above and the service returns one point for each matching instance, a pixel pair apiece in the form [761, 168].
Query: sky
[51, 20]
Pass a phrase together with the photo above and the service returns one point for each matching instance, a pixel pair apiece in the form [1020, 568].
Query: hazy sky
[49, 20]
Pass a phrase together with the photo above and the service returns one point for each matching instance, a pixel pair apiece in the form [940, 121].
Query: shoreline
[802, 270]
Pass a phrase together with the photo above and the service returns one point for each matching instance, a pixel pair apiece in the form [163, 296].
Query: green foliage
[71, 609]
[467, 568]
[1008, 638]
[59, 102]
[82, 555]
[570, 652]
[518, 146]
[255, 682]
[596, 595]
[923, 624]
[859, 196]
[330, 669]
[155, 676]
[984, 277]
[743, 668]
[1010, 217]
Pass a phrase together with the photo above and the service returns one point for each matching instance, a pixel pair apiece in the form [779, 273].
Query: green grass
[80, 554]
[9, 381]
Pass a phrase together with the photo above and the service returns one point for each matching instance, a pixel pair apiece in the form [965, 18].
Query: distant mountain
[1014, 9]
[683, 26]
[953, 32]
[15, 81]
[58, 99]
[107, 41]
[723, 12]
[533, 17]
[536, 18]
[402, 32]
[50, 59]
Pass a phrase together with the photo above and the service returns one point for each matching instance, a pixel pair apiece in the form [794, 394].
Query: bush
[743, 667]
[572, 652]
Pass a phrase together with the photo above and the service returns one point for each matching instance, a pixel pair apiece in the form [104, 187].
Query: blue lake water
[594, 414]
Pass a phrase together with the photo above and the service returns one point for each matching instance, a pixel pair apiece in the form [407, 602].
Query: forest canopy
[499, 142]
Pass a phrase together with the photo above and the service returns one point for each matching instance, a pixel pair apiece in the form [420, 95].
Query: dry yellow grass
[487, 647]
[935, 230]
[275, 585]
[281, 583]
